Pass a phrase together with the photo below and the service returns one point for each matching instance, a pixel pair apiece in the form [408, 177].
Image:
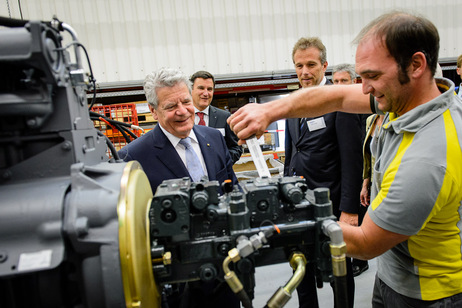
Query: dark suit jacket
[160, 160]
[328, 157]
[217, 119]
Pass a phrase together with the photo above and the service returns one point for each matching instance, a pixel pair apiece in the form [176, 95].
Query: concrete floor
[270, 278]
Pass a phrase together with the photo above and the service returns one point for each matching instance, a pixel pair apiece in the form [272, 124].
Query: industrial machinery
[78, 229]
[196, 234]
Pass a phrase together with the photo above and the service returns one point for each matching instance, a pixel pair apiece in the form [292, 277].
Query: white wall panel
[128, 38]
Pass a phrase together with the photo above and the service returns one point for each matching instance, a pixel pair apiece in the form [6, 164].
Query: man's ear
[418, 64]
[153, 112]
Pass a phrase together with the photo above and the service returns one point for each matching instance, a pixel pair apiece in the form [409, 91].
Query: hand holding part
[249, 120]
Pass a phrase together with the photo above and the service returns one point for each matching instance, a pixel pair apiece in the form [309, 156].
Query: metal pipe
[72, 32]
[298, 263]
[284, 294]
[338, 253]
[333, 231]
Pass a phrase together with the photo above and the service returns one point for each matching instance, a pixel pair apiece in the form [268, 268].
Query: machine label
[34, 260]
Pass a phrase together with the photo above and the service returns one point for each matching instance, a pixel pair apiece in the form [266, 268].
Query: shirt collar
[174, 140]
[419, 116]
[206, 110]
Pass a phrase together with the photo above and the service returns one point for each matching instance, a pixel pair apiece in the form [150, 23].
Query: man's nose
[182, 109]
[367, 88]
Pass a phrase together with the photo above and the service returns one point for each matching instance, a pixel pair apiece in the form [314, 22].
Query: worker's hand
[365, 195]
[351, 219]
[249, 120]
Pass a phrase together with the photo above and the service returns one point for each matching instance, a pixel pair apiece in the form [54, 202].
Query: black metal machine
[269, 221]
[80, 230]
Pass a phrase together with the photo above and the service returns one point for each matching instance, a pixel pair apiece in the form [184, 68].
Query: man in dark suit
[163, 156]
[159, 151]
[345, 74]
[326, 151]
[208, 115]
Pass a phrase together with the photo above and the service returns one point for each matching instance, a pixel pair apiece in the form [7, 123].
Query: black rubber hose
[111, 147]
[244, 298]
[120, 126]
[341, 292]
[129, 132]
[96, 115]
[123, 132]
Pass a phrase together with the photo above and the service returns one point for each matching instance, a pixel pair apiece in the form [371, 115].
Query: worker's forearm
[354, 239]
[316, 101]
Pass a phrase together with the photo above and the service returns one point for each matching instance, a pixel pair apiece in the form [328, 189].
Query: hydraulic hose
[338, 254]
[233, 281]
[284, 294]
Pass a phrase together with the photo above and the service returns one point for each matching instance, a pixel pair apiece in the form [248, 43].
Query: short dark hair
[405, 34]
[459, 61]
[203, 75]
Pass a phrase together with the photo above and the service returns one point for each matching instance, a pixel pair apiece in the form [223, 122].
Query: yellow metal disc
[140, 288]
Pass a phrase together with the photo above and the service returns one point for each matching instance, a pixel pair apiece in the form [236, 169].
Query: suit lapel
[166, 153]
[212, 116]
[294, 129]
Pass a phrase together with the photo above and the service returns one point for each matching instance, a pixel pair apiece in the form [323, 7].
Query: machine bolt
[167, 203]
[66, 146]
[207, 272]
[31, 122]
[3, 256]
[212, 214]
[263, 205]
[168, 215]
[223, 249]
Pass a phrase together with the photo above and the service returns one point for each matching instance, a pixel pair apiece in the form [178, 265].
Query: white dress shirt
[206, 115]
[181, 150]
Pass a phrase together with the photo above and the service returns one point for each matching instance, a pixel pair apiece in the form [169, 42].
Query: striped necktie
[192, 161]
[302, 125]
[201, 118]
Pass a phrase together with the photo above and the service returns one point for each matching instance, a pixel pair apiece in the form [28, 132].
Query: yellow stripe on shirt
[442, 233]
[392, 169]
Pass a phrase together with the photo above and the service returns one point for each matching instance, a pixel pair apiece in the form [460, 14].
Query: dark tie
[192, 161]
[302, 125]
[201, 118]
